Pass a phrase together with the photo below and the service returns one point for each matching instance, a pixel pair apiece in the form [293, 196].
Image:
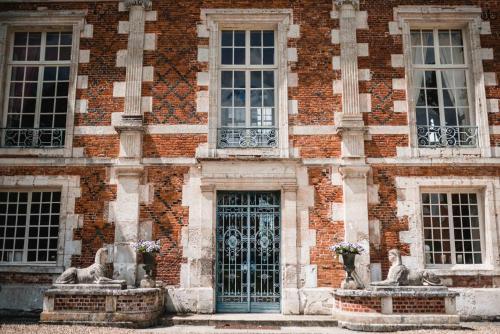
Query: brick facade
[172, 152]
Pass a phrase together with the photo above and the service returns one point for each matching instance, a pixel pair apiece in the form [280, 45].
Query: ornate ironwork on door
[248, 252]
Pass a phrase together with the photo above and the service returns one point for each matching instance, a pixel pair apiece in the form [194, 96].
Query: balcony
[247, 137]
[447, 136]
[32, 137]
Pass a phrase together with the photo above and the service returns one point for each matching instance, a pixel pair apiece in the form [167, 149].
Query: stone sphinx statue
[400, 275]
[95, 274]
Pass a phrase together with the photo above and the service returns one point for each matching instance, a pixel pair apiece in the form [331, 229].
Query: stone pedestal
[396, 308]
[102, 304]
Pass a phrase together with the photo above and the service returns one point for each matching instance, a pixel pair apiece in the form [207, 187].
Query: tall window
[29, 226]
[441, 74]
[38, 73]
[452, 229]
[247, 97]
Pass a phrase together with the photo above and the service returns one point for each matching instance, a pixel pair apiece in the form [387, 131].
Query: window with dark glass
[29, 226]
[38, 74]
[441, 89]
[247, 91]
[452, 228]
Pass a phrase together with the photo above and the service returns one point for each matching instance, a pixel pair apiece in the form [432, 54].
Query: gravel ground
[31, 327]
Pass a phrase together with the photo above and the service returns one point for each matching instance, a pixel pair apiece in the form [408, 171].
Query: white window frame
[69, 186]
[480, 204]
[467, 19]
[278, 20]
[68, 20]
[28, 214]
[409, 204]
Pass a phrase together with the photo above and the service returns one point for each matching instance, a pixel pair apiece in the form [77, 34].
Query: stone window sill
[39, 152]
[234, 152]
[31, 269]
[442, 152]
[466, 271]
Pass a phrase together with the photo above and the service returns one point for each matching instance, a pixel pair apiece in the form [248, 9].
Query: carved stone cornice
[354, 3]
[144, 3]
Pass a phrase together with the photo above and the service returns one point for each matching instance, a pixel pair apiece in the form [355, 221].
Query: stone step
[250, 321]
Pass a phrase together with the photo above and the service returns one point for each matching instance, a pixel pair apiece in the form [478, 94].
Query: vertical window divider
[451, 226]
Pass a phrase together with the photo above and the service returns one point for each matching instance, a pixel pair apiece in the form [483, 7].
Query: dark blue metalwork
[248, 252]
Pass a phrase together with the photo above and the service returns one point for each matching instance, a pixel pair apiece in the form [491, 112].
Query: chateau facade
[249, 137]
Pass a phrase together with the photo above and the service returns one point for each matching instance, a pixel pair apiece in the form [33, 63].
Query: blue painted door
[248, 252]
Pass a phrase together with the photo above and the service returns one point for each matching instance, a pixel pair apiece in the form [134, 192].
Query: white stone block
[202, 53]
[373, 197]
[146, 104]
[365, 102]
[121, 58]
[119, 89]
[84, 56]
[363, 50]
[202, 31]
[336, 62]
[292, 54]
[399, 84]
[362, 19]
[81, 106]
[148, 73]
[335, 36]
[374, 228]
[492, 105]
[337, 87]
[123, 27]
[394, 28]
[487, 54]
[334, 14]
[337, 211]
[485, 28]
[293, 108]
[336, 177]
[293, 31]
[202, 79]
[88, 31]
[490, 79]
[293, 79]
[151, 15]
[400, 106]
[376, 272]
[82, 82]
[202, 101]
[397, 60]
[150, 41]
[122, 7]
[364, 74]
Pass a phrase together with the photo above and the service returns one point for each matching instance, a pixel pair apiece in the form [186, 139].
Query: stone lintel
[354, 171]
[354, 3]
[130, 123]
[130, 170]
[146, 4]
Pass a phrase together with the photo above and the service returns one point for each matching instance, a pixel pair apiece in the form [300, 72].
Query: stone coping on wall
[398, 291]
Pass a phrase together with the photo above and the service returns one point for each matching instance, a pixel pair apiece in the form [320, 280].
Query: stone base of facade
[103, 306]
[396, 308]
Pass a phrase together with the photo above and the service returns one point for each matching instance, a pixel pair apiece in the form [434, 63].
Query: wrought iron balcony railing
[32, 137]
[247, 137]
[433, 136]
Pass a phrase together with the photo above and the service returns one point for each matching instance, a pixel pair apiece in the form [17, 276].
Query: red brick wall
[418, 305]
[358, 304]
[80, 303]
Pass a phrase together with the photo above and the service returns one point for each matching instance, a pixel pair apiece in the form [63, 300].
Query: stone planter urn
[349, 259]
[149, 264]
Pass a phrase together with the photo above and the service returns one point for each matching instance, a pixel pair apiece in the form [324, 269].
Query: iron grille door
[248, 252]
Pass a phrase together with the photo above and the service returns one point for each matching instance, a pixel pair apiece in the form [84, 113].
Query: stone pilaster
[351, 128]
[128, 171]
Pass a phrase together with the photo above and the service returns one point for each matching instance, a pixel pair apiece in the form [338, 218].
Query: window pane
[239, 98]
[256, 98]
[256, 79]
[268, 58]
[255, 56]
[226, 97]
[227, 38]
[20, 38]
[239, 56]
[239, 79]
[239, 38]
[227, 79]
[34, 38]
[226, 56]
[269, 98]
[255, 38]
[268, 38]
[268, 79]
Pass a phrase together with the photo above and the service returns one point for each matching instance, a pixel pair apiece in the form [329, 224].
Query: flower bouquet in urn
[148, 250]
[348, 250]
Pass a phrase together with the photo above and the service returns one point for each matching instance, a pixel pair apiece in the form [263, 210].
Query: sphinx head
[395, 256]
[101, 256]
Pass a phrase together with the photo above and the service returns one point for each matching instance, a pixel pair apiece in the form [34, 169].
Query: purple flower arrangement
[345, 247]
[146, 246]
